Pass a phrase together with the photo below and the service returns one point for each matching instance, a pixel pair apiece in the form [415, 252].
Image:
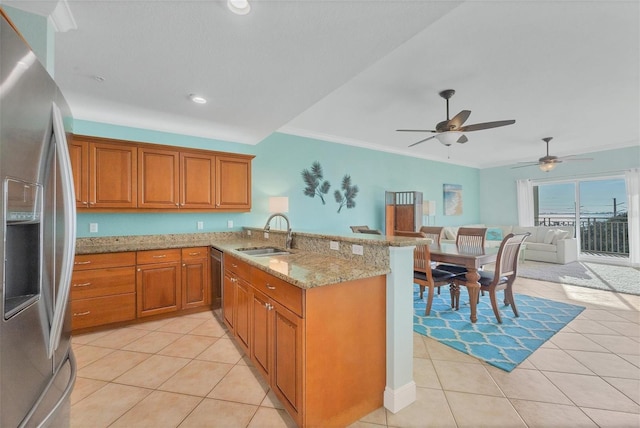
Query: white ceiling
[354, 71]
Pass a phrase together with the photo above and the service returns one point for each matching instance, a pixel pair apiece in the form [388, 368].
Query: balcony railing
[604, 235]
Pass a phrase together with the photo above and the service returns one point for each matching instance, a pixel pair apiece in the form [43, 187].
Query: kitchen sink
[263, 251]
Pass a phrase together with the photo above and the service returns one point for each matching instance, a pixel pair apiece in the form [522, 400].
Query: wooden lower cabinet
[103, 289]
[158, 282]
[322, 350]
[196, 284]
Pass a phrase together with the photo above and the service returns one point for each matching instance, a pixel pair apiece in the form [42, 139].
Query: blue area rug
[502, 345]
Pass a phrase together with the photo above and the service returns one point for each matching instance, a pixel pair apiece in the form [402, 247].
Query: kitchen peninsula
[318, 324]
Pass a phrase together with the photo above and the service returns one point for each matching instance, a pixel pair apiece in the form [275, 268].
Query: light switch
[229, 224]
[93, 227]
[200, 225]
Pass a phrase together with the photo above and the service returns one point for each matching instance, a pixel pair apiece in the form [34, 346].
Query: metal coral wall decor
[348, 197]
[313, 179]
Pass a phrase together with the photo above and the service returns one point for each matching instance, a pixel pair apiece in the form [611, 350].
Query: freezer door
[65, 216]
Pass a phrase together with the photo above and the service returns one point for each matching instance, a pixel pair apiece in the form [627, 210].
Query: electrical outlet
[200, 225]
[357, 249]
[229, 224]
[266, 235]
[334, 245]
[248, 233]
[93, 227]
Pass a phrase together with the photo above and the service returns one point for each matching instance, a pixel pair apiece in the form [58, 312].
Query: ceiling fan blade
[416, 130]
[523, 166]
[459, 119]
[462, 139]
[571, 158]
[486, 125]
[422, 141]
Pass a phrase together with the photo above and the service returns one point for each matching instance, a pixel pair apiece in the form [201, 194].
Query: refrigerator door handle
[68, 201]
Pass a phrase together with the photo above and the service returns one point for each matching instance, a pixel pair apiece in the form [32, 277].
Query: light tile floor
[187, 372]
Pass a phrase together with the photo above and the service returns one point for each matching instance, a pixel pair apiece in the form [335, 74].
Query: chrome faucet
[267, 227]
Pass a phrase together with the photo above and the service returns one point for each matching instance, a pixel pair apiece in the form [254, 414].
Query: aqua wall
[498, 185]
[277, 168]
[37, 31]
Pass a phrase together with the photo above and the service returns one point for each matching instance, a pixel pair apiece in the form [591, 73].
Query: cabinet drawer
[194, 253]
[158, 256]
[102, 310]
[97, 261]
[240, 268]
[286, 294]
[103, 282]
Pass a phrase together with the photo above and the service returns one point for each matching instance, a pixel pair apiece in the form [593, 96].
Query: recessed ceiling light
[197, 99]
[239, 7]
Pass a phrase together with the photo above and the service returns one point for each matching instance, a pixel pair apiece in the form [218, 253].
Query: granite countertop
[305, 269]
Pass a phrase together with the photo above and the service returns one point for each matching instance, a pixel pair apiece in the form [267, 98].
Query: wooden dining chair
[433, 232]
[467, 238]
[423, 274]
[502, 278]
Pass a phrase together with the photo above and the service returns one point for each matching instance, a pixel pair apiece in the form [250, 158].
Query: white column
[400, 390]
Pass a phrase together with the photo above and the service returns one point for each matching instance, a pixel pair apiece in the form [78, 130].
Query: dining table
[471, 258]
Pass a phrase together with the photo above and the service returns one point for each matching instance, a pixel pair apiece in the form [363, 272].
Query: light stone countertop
[310, 264]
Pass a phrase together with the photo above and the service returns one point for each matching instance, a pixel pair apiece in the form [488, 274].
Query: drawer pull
[80, 314]
[88, 262]
[194, 254]
[84, 284]
[234, 265]
[271, 287]
[161, 256]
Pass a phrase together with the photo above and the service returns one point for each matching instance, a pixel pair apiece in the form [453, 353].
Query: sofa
[552, 244]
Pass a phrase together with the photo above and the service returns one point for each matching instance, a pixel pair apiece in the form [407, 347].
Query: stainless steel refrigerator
[37, 245]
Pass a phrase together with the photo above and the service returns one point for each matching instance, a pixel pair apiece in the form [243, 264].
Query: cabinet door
[243, 314]
[286, 377]
[158, 287]
[233, 183]
[228, 299]
[158, 178]
[261, 333]
[197, 187]
[195, 283]
[79, 156]
[112, 176]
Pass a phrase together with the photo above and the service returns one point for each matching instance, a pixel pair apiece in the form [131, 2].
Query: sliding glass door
[596, 207]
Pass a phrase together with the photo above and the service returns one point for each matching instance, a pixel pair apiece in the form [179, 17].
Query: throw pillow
[494, 234]
[450, 232]
[560, 234]
[548, 237]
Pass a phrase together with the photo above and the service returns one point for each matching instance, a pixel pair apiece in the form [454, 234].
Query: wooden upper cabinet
[114, 174]
[79, 156]
[197, 175]
[158, 178]
[233, 182]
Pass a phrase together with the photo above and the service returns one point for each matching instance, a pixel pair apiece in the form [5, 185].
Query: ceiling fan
[547, 163]
[451, 130]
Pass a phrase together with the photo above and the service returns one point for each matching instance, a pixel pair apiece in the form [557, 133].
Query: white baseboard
[397, 399]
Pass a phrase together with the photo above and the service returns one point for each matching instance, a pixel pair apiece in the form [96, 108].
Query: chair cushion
[485, 278]
[441, 275]
[453, 268]
[437, 275]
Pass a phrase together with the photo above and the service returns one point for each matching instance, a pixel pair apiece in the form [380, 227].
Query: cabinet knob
[85, 203]
[177, 204]
[184, 265]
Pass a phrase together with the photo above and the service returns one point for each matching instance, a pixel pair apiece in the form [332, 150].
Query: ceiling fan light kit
[451, 130]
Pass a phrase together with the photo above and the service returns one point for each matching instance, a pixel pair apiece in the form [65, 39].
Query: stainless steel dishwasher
[216, 277]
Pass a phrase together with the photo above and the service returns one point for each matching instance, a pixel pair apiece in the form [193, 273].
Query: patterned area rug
[502, 345]
[621, 279]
